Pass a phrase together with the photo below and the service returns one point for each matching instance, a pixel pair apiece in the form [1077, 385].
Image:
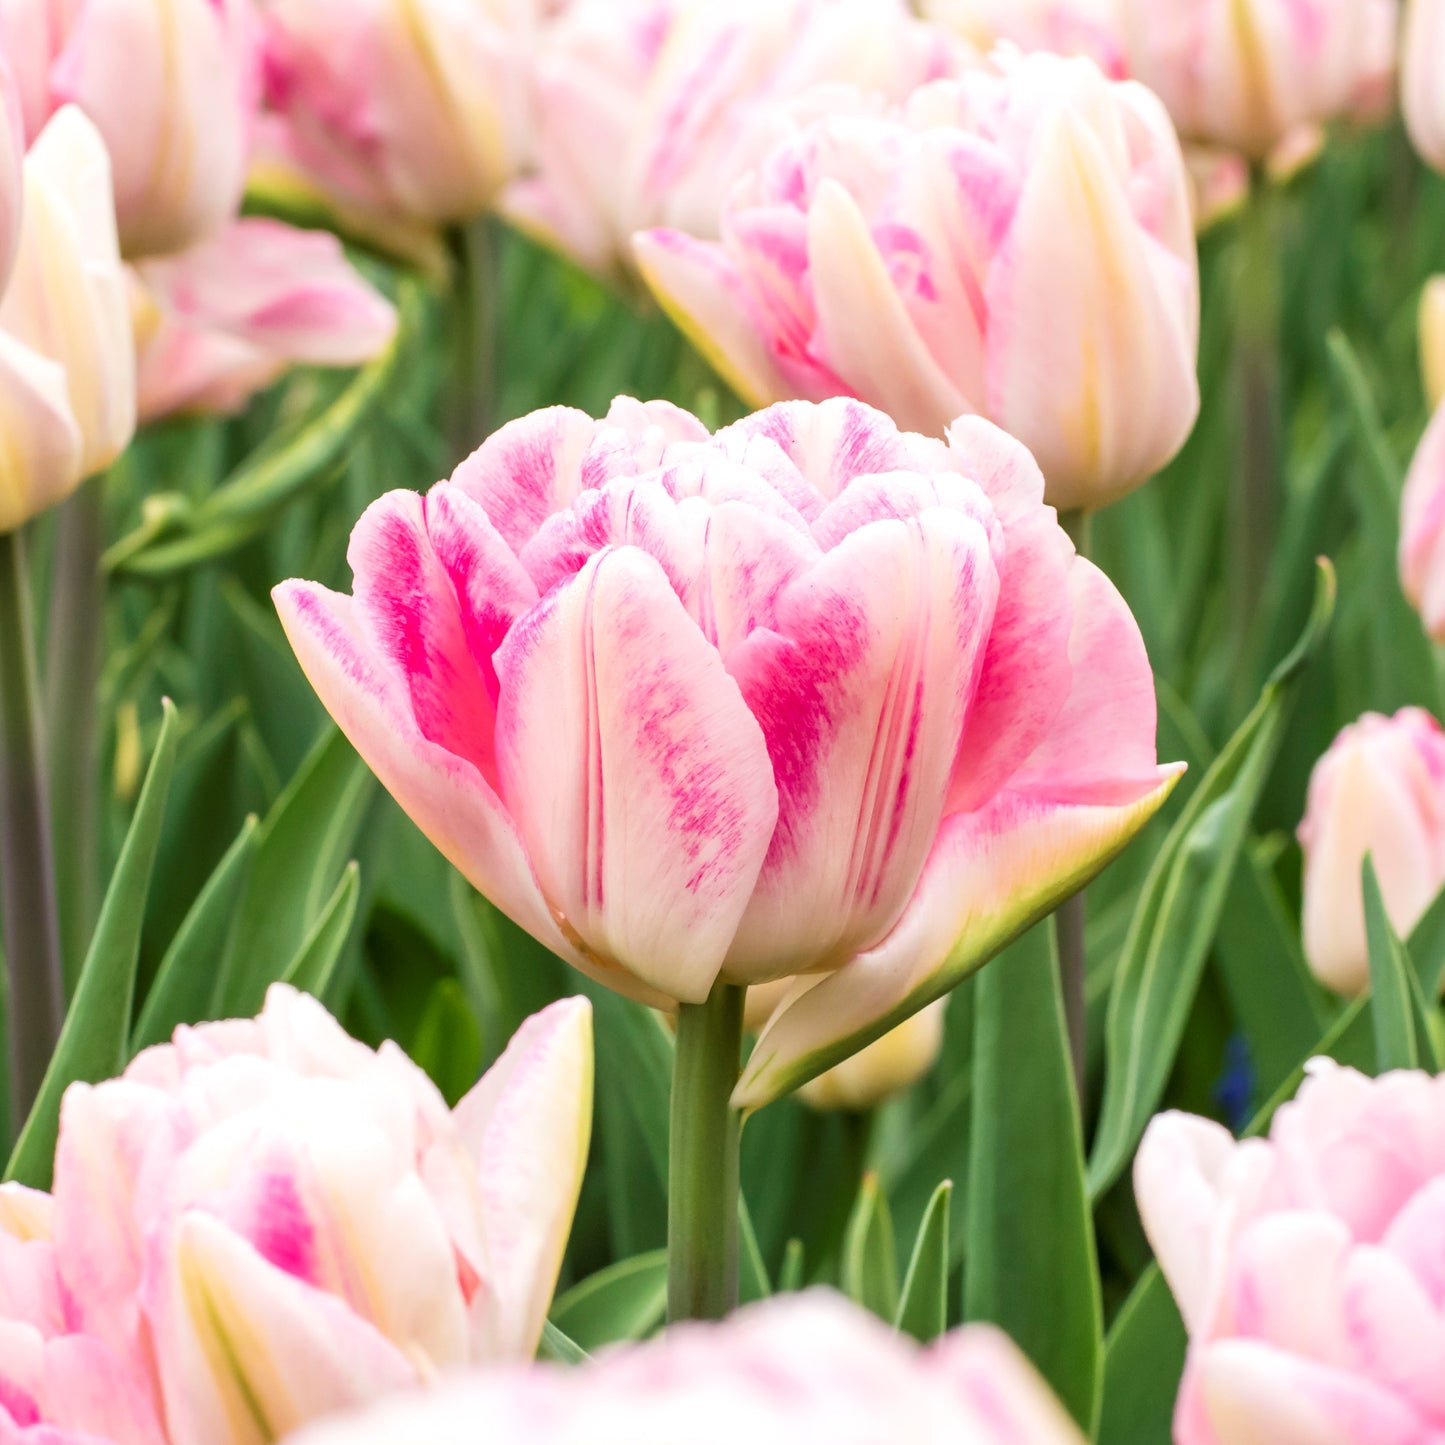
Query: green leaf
[186, 980]
[1031, 1265]
[870, 1257]
[625, 1301]
[558, 1348]
[753, 1282]
[94, 1043]
[1179, 908]
[448, 1044]
[1143, 1363]
[1426, 947]
[313, 970]
[923, 1304]
[1397, 1010]
[790, 1277]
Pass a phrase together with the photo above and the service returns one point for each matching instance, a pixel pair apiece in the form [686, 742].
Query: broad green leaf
[1426, 947]
[1179, 908]
[625, 1301]
[448, 1044]
[923, 1303]
[313, 970]
[558, 1348]
[753, 1282]
[870, 1257]
[1397, 1010]
[1030, 1261]
[790, 1277]
[186, 980]
[94, 1043]
[1143, 1363]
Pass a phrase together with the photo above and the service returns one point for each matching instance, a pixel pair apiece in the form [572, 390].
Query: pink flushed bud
[416, 109]
[12, 156]
[67, 362]
[265, 1221]
[808, 1367]
[1245, 73]
[1432, 339]
[1380, 789]
[219, 322]
[1422, 529]
[1422, 81]
[1307, 1266]
[1065, 27]
[648, 111]
[172, 86]
[814, 695]
[925, 262]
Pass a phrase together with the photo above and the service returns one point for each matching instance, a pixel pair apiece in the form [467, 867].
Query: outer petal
[1422, 78]
[41, 461]
[1422, 529]
[886, 1067]
[635, 772]
[528, 1123]
[1432, 339]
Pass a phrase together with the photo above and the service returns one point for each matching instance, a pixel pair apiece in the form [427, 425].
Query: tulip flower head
[1065, 27]
[219, 322]
[1247, 73]
[67, 362]
[1422, 81]
[265, 1221]
[1380, 789]
[1017, 244]
[1307, 1265]
[813, 695]
[1422, 529]
[794, 1368]
[1432, 339]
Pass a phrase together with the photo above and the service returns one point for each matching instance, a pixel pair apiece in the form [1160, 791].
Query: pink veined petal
[87, 1389]
[528, 1123]
[635, 772]
[991, 874]
[1286, 1284]
[1396, 1333]
[861, 691]
[41, 463]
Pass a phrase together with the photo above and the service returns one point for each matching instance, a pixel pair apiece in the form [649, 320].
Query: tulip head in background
[1017, 244]
[1422, 78]
[265, 1221]
[801, 1368]
[1307, 1265]
[1063, 27]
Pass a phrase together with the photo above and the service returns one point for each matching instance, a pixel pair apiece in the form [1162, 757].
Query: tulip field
[722, 722]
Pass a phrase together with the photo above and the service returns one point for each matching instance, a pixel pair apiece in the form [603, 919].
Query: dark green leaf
[923, 1304]
[1143, 1363]
[313, 970]
[870, 1257]
[1397, 1010]
[753, 1283]
[556, 1346]
[625, 1301]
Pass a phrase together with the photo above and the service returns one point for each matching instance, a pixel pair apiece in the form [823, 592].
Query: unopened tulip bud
[1422, 529]
[1422, 80]
[1432, 339]
[1379, 790]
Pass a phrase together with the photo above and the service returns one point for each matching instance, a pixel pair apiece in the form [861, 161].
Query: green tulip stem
[27, 875]
[702, 1203]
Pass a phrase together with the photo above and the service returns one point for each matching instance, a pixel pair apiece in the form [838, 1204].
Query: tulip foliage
[722, 721]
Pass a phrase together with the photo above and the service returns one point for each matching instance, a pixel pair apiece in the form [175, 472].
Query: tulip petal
[528, 1123]
[635, 772]
[41, 462]
[87, 1390]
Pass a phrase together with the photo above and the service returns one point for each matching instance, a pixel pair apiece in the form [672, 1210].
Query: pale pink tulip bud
[1432, 339]
[1244, 73]
[1422, 529]
[1380, 789]
[926, 262]
[267, 1221]
[1065, 27]
[1307, 1265]
[172, 86]
[413, 108]
[813, 695]
[648, 111]
[804, 1367]
[219, 322]
[12, 155]
[1219, 184]
[67, 361]
[1422, 80]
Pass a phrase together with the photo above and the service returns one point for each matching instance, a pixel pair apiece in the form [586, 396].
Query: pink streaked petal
[635, 772]
[527, 1124]
[88, 1390]
[1416, 1236]
[861, 691]
[991, 874]
[904, 494]
[444, 795]
[1395, 1330]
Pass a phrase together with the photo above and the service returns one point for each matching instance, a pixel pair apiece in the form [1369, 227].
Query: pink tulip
[1422, 529]
[12, 155]
[1432, 339]
[410, 107]
[218, 323]
[1245, 73]
[797, 1368]
[265, 1221]
[811, 696]
[67, 362]
[1422, 86]
[1307, 1266]
[926, 262]
[1065, 27]
[1380, 789]
[171, 85]
[648, 111]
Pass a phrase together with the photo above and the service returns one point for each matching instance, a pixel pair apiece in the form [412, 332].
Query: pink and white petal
[42, 461]
[861, 692]
[1395, 1330]
[990, 876]
[700, 287]
[444, 795]
[86, 1388]
[637, 776]
[865, 334]
[527, 1125]
[246, 1352]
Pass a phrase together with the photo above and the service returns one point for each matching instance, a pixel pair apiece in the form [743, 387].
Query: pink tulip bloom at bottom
[813, 695]
[792, 1371]
[265, 1221]
[1309, 1266]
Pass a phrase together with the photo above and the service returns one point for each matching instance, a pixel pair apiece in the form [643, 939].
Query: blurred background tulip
[813, 1367]
[172, 86]
[1422, 79]
[1422, 529]
[926, 263]
[1432, 339]
[1065, 27]
[1380, 790]
[1306, 1265]
[219, 322]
